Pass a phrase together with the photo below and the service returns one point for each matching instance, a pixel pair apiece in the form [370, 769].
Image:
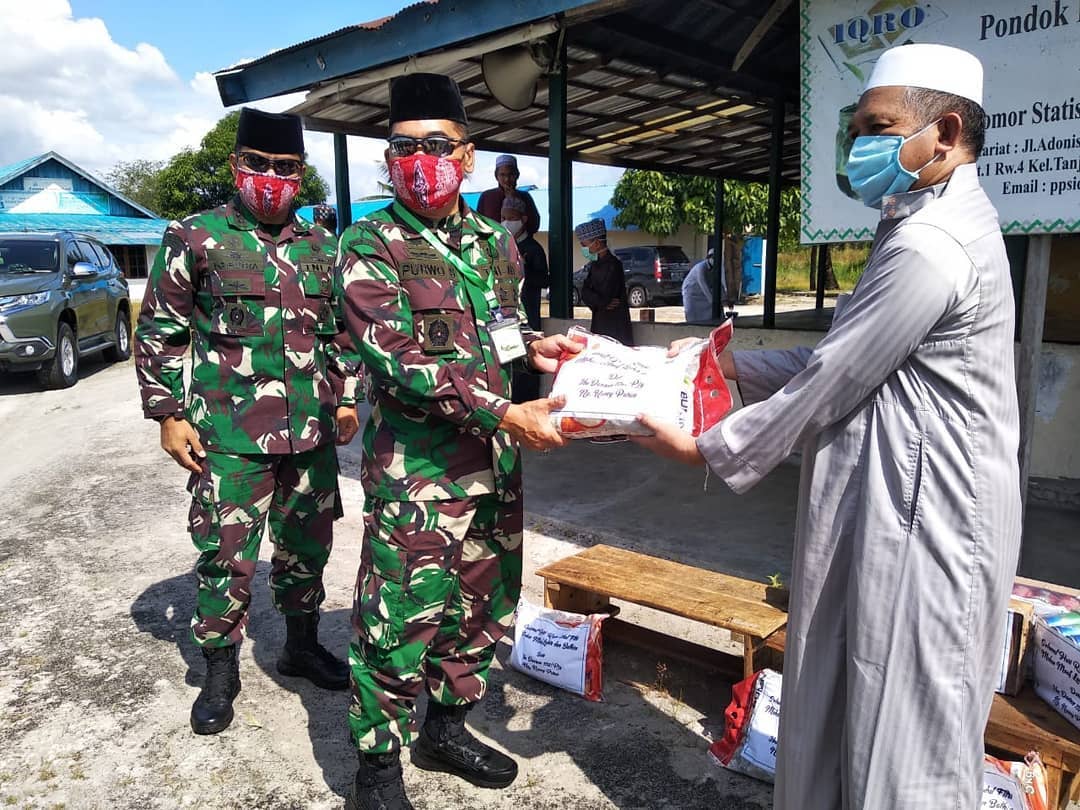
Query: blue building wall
[79, 185]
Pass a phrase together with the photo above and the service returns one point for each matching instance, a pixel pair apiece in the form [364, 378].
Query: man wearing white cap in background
[491, 201]
[908, 527]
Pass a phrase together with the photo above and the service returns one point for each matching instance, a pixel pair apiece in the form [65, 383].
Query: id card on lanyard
[505, 331]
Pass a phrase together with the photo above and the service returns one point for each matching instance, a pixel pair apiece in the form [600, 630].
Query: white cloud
[66, 85]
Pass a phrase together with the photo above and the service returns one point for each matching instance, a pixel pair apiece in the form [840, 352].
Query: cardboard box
[1014, 651]
[1057, 667]
[1048, 593]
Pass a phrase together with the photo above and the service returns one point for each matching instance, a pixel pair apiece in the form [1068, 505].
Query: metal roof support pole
[341, 182]
[1032, 319]
[772, 234]
[718, 252]
[559, 190]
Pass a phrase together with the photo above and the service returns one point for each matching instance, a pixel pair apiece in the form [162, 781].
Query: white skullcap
[931, 67]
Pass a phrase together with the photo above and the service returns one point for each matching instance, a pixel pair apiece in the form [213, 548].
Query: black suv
[654, 273]
[62, 297]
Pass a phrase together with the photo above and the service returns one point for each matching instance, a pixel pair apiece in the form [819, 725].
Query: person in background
[604, 288]
[908, 529]
[326, 215]
[697, 290]
[273, 384]
[490, 202]
[526, 386]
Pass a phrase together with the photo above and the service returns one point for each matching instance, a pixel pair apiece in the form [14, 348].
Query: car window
[28, 256]
[672, 253]
[104, 257]
[88, 253]
[73, 254]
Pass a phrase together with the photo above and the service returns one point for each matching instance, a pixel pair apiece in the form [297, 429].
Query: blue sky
[104, 81]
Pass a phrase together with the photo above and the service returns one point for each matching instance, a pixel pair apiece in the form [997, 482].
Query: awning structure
[649, 84]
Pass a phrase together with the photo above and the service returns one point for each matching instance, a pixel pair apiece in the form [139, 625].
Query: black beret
[426, 96]
[274, 133]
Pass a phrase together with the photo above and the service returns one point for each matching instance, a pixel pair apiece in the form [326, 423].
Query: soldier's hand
[529, 423]
[179, 440]
[348, 423]
[544, 354]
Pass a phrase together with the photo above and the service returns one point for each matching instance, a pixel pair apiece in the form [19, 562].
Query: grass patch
[793, 266]
[46, 773]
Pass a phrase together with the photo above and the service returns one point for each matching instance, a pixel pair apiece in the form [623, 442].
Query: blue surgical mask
[874, 169]
[588, 254]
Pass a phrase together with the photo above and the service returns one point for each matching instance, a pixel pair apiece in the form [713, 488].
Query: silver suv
[62, 297]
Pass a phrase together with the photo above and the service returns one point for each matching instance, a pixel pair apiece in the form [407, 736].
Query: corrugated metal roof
[651, 83]
[8, 173]
[13, 170]
[110, 230]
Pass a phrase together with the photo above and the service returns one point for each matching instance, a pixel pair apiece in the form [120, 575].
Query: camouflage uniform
[440, 568]
[270, 367]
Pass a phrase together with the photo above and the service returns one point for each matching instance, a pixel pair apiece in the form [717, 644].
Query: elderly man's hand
[725, 360]
[544, 354]
[529, 423]
[669, 441]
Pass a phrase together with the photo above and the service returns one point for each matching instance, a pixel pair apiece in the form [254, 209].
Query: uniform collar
[900, 206]
[241, 218]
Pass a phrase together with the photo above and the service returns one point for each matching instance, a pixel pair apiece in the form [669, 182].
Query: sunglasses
[438, 145]
[286, 167]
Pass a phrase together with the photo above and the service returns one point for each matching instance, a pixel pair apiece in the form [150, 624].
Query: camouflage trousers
[232, 498]
[436, 590]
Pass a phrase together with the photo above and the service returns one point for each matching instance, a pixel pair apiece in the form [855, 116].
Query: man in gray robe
[908, 527]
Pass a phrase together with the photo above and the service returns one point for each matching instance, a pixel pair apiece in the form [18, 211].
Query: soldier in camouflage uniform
[431, 296]
[249, 285]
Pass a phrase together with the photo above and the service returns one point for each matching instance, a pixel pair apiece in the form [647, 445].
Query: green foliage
[137, 180]
[660, 203]
[198, 179]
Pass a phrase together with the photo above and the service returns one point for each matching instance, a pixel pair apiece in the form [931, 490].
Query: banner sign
[1030, 165]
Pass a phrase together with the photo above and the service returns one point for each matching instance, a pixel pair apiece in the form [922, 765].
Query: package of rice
[560, 648]
[607, 385]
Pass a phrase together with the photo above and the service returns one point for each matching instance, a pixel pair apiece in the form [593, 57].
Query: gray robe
[908, 528]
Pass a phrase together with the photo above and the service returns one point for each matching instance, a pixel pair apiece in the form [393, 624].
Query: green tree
[137, 180]
[660, 203]
[197, 179]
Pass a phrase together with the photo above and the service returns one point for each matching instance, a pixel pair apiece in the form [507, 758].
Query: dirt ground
[97, 672]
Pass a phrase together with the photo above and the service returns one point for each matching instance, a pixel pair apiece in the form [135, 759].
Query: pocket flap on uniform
[317, 278]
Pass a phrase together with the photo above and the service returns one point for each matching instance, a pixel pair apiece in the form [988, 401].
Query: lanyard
[467, 271]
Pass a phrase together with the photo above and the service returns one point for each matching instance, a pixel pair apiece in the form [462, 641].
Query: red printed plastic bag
[751, 727]
[607, 385]
[560, 648]
[1014, 785]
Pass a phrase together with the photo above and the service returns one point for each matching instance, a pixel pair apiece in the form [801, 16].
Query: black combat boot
[305, 657]
[378, 784]
[444, 744]
[212, 711]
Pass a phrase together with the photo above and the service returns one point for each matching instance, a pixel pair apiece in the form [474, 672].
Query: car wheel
[63, 370]
[121, 349]
[637, 297]
[575, 297]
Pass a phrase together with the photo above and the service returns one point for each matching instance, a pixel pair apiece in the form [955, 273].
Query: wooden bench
[587, 582]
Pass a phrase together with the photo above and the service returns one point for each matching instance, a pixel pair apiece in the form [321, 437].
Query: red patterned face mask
[425, 183]
[267, 196]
